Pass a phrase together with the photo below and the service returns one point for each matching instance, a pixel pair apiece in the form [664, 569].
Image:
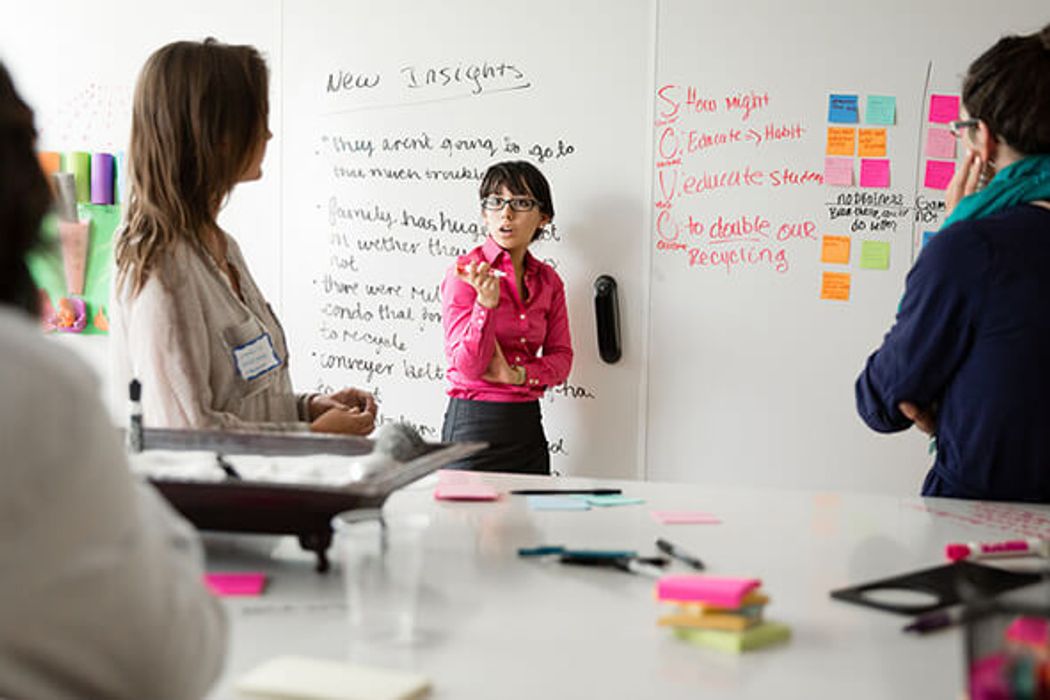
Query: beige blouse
[206, 359]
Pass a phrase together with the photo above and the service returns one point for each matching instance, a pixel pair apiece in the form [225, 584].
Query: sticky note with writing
[835, 249]
[842, 109]
[871, 143]
[834, 286]
[944, 108]
[235, 584]
[882, 109]
[874, 172]
[842, 141]
[875, 255]
[715, 590]
[938, 174]
[940, 144]
[838, 172]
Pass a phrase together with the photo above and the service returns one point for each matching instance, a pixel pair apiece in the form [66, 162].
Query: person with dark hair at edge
[506, 328]
[102, 594]
[967, 358]
[188, 320]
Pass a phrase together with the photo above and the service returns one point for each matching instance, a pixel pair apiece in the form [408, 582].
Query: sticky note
[722, 591]
[463, 486]
[759, 636]
[871, 143]
[838, 172]
[834, 286]
[842, 141]
[79, 163]
[842, 109]
[938, 174]
[50, 162]
[684, 517]
[874, 172]
[238, 584]
[324, 679]
[835, 249]
[940, 144]
[557, 503]
[882, 109]
[927, 235]
[612, 500]
[944, 108]
[875, 255]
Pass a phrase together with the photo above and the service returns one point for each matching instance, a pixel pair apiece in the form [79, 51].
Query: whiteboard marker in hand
[495, 273]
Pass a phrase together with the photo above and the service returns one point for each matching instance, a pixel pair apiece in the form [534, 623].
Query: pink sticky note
[1033, 631]
[874, 172]
[713, 590]
[838, 171]
[944, 108]
[246, 583]
[456, 485]
[684, 517]
[939, 174]
[940, 144]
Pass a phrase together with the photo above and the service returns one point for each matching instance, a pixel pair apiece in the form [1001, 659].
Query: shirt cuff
[303, 406]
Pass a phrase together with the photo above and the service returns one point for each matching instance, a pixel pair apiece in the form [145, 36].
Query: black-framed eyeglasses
[958, 126]
[494, 203]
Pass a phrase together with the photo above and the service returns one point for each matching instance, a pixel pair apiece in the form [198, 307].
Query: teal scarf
[1025, 181]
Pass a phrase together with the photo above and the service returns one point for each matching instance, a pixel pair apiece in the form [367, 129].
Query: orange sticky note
[871, 143]
[842, 141]
[50, 162]
[835, 249]
[835, 286]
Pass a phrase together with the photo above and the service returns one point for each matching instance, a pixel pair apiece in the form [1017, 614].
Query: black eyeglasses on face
[958, 126]
[494, 203]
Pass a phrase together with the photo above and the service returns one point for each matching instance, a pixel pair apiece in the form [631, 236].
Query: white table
[496, 626]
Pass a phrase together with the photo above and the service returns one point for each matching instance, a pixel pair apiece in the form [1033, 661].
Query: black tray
[236, 505]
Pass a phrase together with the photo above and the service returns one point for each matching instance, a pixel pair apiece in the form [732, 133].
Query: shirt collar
[491, 252]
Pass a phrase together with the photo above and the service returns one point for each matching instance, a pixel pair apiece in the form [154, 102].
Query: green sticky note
[79, 163]
[613, 500]
[875, 255]
[882, 109]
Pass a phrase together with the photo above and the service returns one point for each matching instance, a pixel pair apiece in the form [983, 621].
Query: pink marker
[1030, 546]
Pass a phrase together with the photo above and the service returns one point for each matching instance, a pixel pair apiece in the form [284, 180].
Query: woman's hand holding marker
[484, 280]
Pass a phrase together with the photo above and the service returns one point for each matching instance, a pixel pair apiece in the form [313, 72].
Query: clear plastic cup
[382, 561]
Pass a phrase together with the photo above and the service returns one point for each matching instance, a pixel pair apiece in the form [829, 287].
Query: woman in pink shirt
[506, 328]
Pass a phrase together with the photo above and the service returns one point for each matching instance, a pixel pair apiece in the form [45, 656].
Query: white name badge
[256, 357]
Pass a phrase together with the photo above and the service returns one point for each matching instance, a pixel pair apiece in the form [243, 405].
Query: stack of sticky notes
[717, 612]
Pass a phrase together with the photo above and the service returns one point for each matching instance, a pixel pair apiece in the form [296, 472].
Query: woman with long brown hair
[188, 320]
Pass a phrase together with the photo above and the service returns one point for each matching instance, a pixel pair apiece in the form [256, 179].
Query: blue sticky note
[842, 109]
[613, 500]
[882, 109]
[927, 235]
[556, 503]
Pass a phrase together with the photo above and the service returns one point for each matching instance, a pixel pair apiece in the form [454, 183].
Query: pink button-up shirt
[522, 329]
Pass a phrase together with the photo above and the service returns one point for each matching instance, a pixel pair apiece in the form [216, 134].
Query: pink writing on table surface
[1008, 517]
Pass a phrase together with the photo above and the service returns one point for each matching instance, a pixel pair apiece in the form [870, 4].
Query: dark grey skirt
[513, 430]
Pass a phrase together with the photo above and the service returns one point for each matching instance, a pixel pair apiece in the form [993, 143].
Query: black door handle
[607, 318]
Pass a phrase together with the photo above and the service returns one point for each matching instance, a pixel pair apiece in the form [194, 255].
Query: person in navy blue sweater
[968, 358]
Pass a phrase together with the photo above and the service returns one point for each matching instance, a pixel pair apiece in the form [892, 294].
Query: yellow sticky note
[835, 286]
[842, 141]
[872, 143]
[835, 249]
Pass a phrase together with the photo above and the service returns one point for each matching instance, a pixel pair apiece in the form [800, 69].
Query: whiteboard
[741, 375]
[392, 112]
[751, 373]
